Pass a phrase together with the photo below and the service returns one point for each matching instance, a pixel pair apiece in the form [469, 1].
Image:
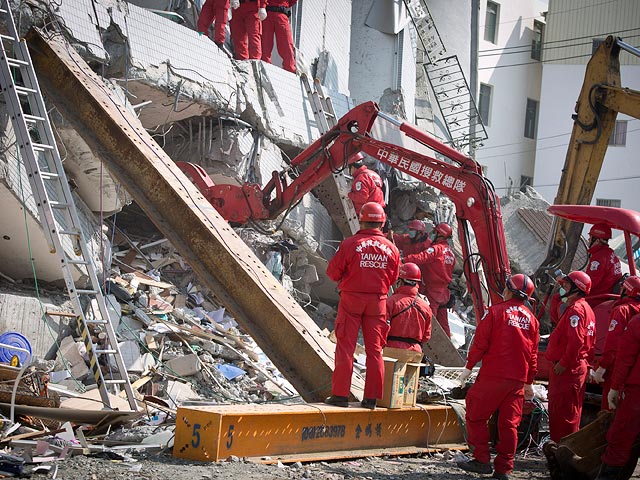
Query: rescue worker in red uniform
[570, 349]
[624, 397]
[604, 265]
[623, 310]
[366, 185]
[415, 241]
[246, 28]
[218, 11]
[408, 314]
[506, 341]
[436, 264]
[365, 266]
[277, 24]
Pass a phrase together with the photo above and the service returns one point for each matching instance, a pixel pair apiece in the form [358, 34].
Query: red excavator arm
[458, 177]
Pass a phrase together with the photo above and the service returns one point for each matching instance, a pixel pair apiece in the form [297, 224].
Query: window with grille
[484, 102]
[536, 42]
[608, 202]
[619, 134]
[530, 118]
[491, 22]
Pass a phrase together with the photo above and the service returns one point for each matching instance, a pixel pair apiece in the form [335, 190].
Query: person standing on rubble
[408, 314]
[436, 264]
[416, 241]
[506, 341]
[246, 28]
[277, 24]
[624, 397]
[570, 349]
[604, 265]
[365, 266]
[366, 185]
[218, 11]
[622, 311]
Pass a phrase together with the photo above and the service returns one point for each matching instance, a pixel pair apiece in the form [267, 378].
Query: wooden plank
[222, 261]
[212, 433]
[440, 349]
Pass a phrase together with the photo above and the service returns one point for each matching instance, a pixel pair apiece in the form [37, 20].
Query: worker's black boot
[608, 472]
[369, 403]
[500, 476]
[337, 401]
[476, 467]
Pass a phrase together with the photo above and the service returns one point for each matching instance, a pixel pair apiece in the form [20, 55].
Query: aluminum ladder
[326, 118]
[36, 147]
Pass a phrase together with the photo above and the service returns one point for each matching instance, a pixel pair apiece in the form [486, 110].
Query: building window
[491, 22]
[525, 181]
[619, 134]
[608, 202]
[484, 103]
[595, 43]
[530, 119]
[536, 42]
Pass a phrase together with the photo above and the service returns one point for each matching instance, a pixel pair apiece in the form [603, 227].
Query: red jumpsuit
[436, 265]
[365, 266]
[277, 23]
[603, 268]
[506, 341]
[623, 310]
[408, 245]
[409, 319]
[625, 379]
[572, 344]
[246, 30]
[366, 187]
[217, 10]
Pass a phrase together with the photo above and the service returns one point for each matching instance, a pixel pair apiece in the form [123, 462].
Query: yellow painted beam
[213, 433]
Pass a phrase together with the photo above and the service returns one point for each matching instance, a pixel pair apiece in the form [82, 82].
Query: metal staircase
[448, 82]
[326, 118]
[37, 149]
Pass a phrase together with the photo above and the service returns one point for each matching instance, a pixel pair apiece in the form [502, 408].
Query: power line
[615, 179]
[600, 35]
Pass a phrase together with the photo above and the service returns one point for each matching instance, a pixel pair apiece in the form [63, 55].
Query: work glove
[613, 397]
[262, 14]
[464, 376]
[528, 392]
[234, 4]
[598, 377]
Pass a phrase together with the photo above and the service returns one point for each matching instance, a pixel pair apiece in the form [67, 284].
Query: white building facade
[574, 28]
[508, 94]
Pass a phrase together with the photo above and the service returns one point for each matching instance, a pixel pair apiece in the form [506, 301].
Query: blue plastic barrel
[14, 339]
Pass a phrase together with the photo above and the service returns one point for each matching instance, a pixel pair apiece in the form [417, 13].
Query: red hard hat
[444, 230]
[416, 225]
[410, 271]
[372, 212]
[600, 230]
[632, 286]
[520, 285]
[358, 157]
[581, 280]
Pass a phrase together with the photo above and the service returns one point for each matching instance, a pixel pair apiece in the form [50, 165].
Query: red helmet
[600, 230]
[444, 230]
[416, 225]
[410, 271]
[581, 280]
[372, 212]
[632, 286]
[357, 158]
[521, 286]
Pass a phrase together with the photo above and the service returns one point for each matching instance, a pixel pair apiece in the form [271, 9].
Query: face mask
[562, 292]
[412, 233]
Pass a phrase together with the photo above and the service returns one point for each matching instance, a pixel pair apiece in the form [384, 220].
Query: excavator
[459, 177]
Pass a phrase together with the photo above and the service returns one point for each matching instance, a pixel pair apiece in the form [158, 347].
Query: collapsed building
[175, 303]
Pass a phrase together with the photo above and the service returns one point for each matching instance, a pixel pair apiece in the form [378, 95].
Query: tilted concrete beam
[217, 255]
